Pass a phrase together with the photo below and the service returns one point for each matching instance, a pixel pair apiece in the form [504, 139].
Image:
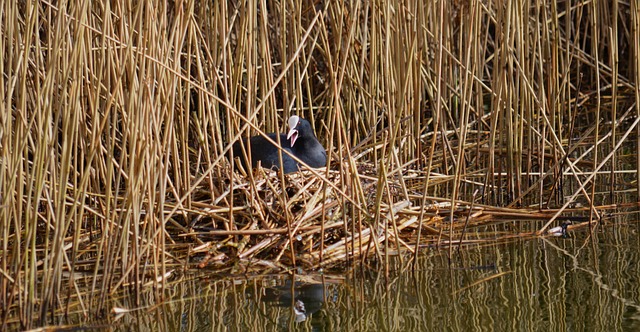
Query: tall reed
[117, 118]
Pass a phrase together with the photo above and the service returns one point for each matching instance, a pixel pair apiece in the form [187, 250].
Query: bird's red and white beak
[293, 131]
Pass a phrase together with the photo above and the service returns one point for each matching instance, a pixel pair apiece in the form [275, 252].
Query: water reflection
[303, 298]
[584, 282]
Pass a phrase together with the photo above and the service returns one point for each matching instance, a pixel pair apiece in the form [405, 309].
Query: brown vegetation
[440, 119]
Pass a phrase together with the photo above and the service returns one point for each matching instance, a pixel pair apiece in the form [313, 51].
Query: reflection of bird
[300, 311]
[306, 298]
[300, 141]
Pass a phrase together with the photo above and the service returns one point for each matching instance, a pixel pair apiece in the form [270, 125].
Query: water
[587, 282]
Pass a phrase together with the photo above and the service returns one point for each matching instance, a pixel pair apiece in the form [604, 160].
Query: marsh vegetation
[447, 125]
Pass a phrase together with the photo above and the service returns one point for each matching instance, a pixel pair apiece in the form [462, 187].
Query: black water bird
[300, 141]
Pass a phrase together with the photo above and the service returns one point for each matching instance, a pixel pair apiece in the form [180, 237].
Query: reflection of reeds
[116, 120]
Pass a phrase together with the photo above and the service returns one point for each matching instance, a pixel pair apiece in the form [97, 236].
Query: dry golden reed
[440, 118]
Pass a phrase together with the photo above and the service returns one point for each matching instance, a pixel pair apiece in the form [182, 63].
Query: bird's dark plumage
[300, 141]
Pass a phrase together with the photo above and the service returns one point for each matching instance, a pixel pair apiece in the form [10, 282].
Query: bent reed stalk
[443, 121]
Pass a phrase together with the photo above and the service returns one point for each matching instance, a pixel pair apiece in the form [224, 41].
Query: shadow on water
[577, 283]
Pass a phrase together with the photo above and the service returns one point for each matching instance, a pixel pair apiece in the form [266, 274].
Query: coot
[300, 141]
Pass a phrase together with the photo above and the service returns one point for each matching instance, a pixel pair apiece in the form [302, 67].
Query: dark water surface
[580, 283]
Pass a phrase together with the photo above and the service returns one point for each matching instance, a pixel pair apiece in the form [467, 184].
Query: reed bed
[443, 121]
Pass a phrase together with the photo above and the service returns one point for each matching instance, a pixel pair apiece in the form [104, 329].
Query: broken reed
[116, 119]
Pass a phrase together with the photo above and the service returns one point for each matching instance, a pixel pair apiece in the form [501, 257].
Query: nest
[314, 219]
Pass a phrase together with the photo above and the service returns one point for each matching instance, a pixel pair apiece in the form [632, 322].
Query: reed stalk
[441, 121]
